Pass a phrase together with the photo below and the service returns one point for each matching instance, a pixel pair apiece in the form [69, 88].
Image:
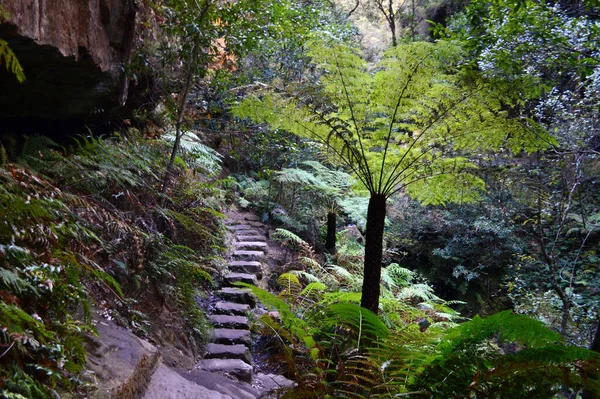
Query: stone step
[251, 238]
[220, 351]
[226, 321]
[249, 255]
[248, 232]
[235, 367]
[229, 336]
[231, 308]
[238, 295]
[251, 218]
[252, 267]
[256, 224]
[252, 246]
[229, 222]
[233, 278]
[238, 227]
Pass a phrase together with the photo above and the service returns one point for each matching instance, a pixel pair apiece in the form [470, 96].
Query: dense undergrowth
[417, 346]
[80, 228]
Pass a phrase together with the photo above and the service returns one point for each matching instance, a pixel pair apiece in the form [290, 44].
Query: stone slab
[247, 268]
[231, 308]
[235, 367]
[168, 384]
[239, 295]
[252, 218]
[248, 232]
[227, 386]
[249, 255]
[233, 278]
[231, 336]
[238, 227]
[226, 321]
[256, 224]
[221, 351]
[252, 246]
[241, 238]
[273, 383]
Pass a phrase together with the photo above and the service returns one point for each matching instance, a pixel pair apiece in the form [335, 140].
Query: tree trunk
[331, 227]
[178, 124]
[373, 252]
[595, 346]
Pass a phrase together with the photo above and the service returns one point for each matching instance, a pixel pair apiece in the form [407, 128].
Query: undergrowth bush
[80, 226]
[334, 348]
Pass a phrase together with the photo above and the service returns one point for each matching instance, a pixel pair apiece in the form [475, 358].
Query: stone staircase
[123, 366]
[229, 351]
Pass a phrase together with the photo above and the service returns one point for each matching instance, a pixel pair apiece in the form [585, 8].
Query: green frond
[15, 283]
[314, 290]
[11, 62]
[311, 278]
[364, 324]
[417, 293]
[288, 280]
[199, 155]
[509, 327]
[287, 236]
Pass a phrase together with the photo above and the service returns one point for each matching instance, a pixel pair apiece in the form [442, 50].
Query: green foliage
[390, 128]
[505, 354]
[201, 157]
[90, 229]
[11, 62]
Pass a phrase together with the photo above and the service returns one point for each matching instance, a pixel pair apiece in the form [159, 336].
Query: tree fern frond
[287, 236]
[11, 62]
[314, 290]
[202, 156]
[365, 325]
[311, 278]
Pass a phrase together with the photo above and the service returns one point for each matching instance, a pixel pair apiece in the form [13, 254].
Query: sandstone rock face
[73, 53]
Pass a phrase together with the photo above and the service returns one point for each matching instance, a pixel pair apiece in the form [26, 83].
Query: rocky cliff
[73, 53]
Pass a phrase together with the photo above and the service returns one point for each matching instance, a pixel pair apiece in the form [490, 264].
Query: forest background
[406, 151]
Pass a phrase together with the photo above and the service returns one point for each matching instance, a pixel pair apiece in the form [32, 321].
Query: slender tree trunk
[331, 227]
[596, 342]
[393, 29]
[392, 22]
[595, 346]
[178, 124]
[373, 252]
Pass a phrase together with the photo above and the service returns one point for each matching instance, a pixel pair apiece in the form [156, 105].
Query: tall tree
[400, 129]
[208, 35]
[547, 54]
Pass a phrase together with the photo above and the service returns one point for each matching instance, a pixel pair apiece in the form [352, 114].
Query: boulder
[73, 53]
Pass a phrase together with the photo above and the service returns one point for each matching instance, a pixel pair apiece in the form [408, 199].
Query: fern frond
[201, 156]
[311, 278]
[11, 62]
[361, 321]
[287, 236]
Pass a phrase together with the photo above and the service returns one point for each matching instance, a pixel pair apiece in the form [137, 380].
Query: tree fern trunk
[595, 346]
[373, 252]
[331, 227]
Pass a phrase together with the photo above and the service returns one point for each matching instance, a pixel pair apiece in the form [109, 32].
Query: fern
[11, 62]
[473, 350]
[200, 156]
[360, 321]
[288, 237]
[15, 283]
